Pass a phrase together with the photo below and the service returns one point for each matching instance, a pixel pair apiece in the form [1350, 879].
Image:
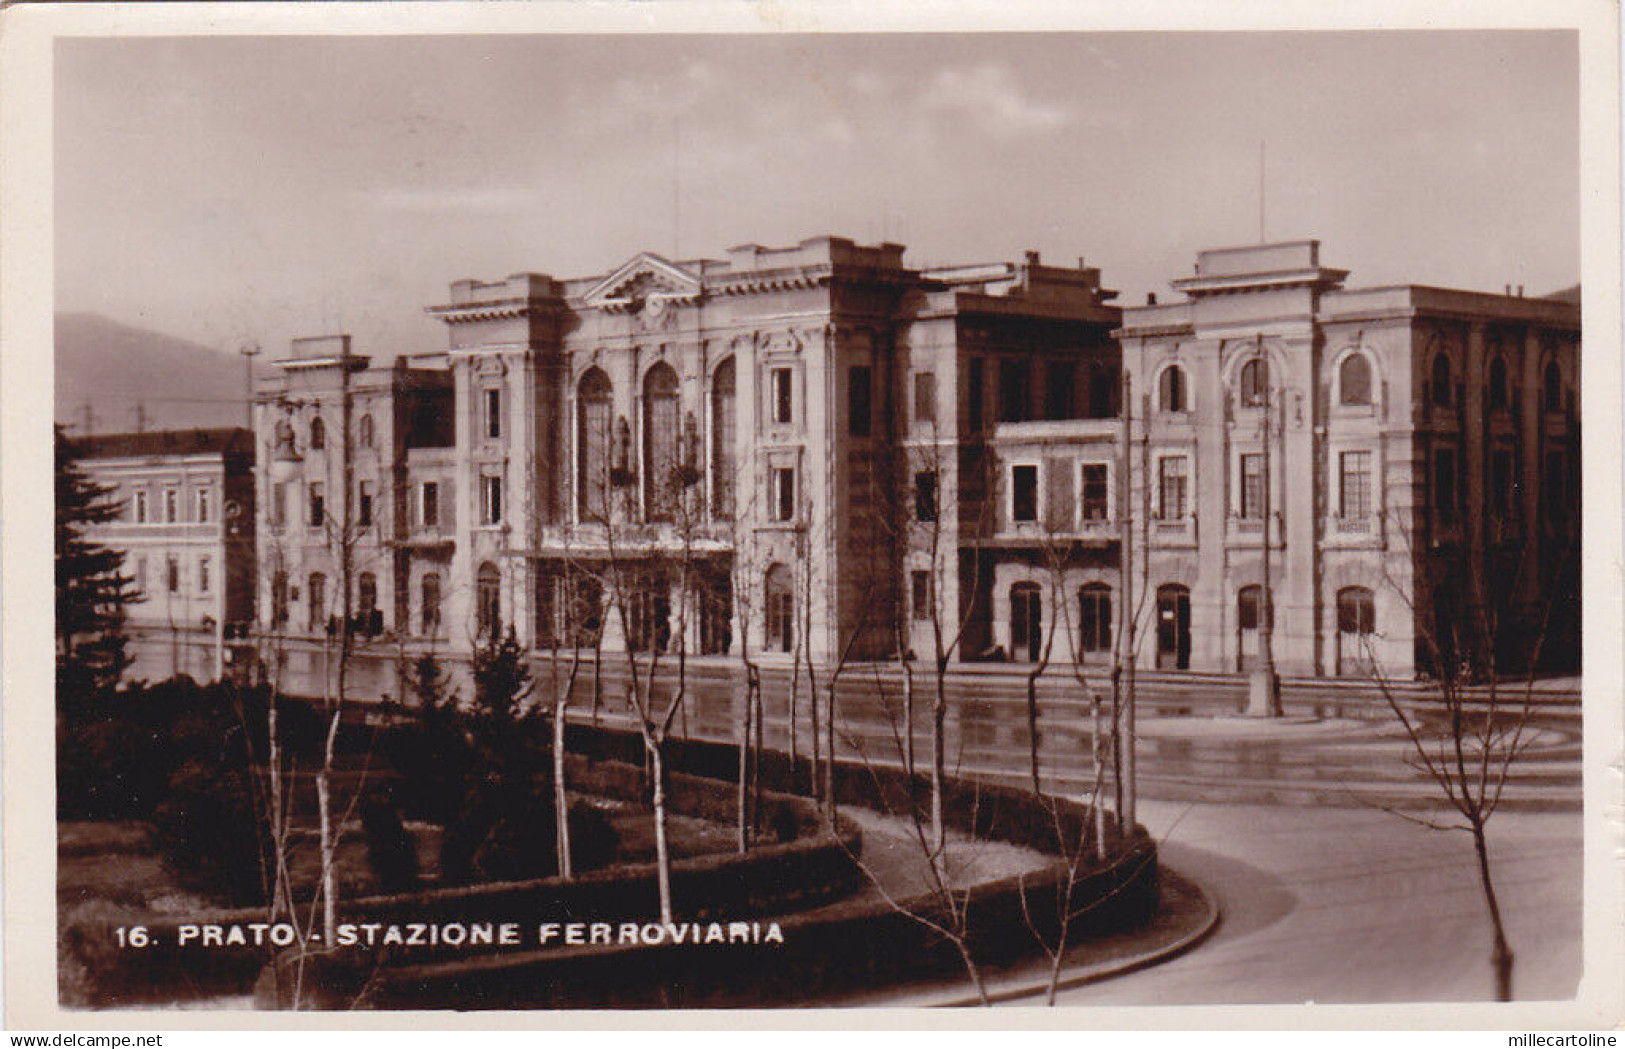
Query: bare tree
[1470, 735]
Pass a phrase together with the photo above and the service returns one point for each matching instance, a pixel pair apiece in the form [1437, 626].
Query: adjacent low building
[187, 532]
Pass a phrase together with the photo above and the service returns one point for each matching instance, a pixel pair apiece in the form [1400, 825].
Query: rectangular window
[1172, 480]
[172, 573]
[925, 495]
[782, 492]
[1060, 380]
[141, 512]
[779, 388]
[1094, 501]
[140, 572]
[203, 575]
[172, 506]
[490, 500]
[975, 395]
[318, 505]
[921, 595]
[925, 397]
[1444, 483]
[493, 413]
[1354, 489]
[204, 508]
[1252, 485]
[860, 395]
[429, 504]
[1024, 493]
[1015, 389]
[364, 504]
[279, 503]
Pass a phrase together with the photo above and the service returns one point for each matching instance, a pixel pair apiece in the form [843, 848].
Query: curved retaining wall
[827, 951]
[814, 868]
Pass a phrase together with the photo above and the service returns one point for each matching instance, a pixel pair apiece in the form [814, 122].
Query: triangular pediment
[644, 277]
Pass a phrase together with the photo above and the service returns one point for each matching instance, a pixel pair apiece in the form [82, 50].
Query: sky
[237, 189]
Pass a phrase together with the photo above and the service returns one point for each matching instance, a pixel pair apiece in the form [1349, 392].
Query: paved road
[1349, 905]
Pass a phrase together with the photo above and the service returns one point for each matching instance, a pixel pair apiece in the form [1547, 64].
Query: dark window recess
[783, 493]
[783, 402]
[1015, 390]
[1501, 483]
[1443, 394]
[975, 396]
[364, 505]
[1255, 382]
[1356, 611]
[1094, 491]
[1095, 618]
[925, 397]
[860, 395]
[1496, 394]
[1060, 379]
[1024, 493]
[1102, 392]
[925, 495]
[1172, 393]
[1354, 380]
[493, 413]
[921, 605]
[1444, 483]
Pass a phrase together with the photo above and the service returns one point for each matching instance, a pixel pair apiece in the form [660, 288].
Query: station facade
[819, 450]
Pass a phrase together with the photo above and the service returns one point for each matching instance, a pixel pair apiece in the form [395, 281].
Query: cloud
[989, 96]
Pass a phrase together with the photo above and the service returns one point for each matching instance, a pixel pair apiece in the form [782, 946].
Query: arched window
[1356, 623]
[316, 591]
[1443, 393]
[1553, 382]
[1255, 382]
[1171, 389]
[722, 439]
[488, 600]
[318, 433]
[781, 620]
[430, 614]
[594, 415]
[1496, 394]
[660, 438]
[1095, 618]
[1026, 622]
[1354, 380]
[364, 431]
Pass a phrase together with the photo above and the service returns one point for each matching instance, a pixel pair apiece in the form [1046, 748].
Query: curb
[1083, 975]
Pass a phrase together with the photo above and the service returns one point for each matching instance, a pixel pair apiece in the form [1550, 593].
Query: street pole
[1264, 691]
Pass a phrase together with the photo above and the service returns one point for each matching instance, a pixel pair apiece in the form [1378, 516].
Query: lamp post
[1264, 689]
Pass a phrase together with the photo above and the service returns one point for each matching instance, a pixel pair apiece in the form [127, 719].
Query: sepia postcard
[932, 515]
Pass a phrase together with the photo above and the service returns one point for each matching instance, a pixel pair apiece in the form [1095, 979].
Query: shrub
[390, 852]
[211, 836]
[594, 841]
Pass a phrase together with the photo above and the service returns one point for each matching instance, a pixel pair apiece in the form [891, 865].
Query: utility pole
[89, 418]
[1264, 691]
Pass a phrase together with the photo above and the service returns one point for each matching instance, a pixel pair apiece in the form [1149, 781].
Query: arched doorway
[780, 610]
[1173, 627]
[1094, 620]
[1251, 615]
[1026, 622]
[1356, 623]
[488, 600]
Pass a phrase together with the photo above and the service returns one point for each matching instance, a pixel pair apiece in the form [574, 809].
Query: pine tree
[91, 587]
